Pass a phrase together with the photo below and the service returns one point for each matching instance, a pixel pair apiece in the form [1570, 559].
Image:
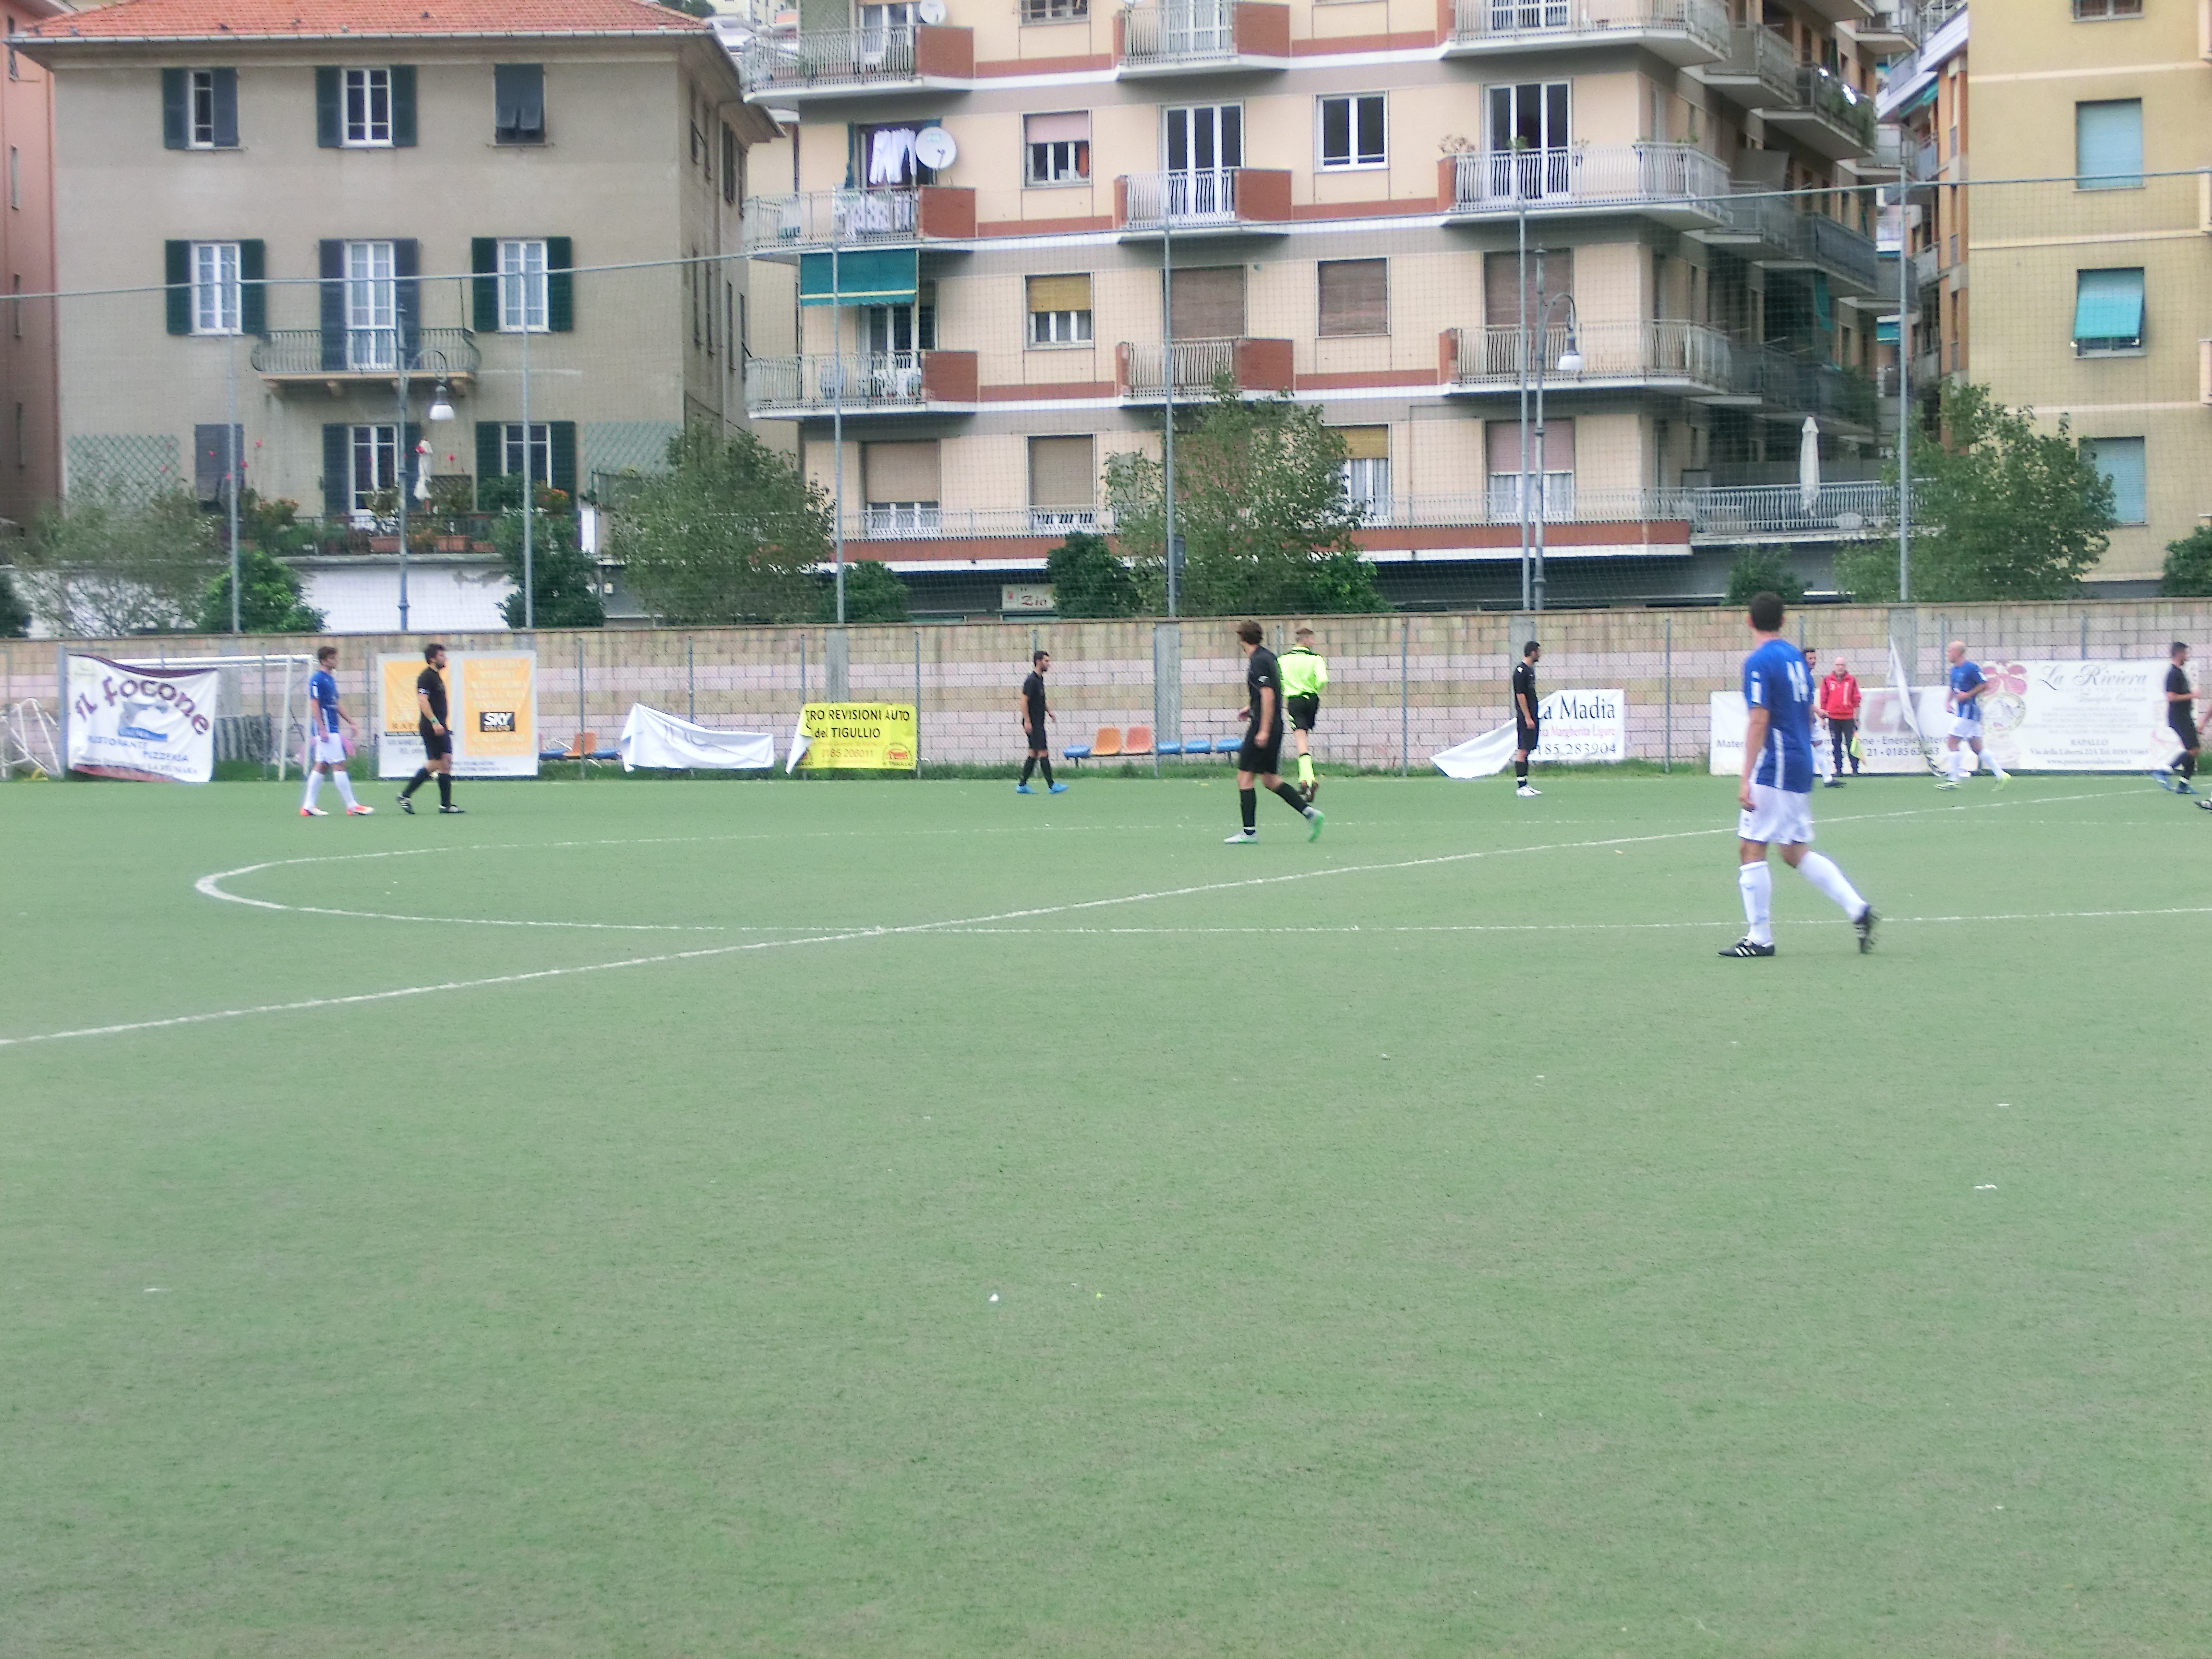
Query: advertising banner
[651, 736]
[153, 724]
[491, 701]
[865, 737]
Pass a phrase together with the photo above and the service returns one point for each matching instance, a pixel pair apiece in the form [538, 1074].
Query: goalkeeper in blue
[1775, 794]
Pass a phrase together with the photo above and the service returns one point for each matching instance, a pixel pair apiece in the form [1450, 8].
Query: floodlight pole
[1544, 308]
[1167, 380]
[1904, 391]
[230, 471]
[837, 408]
[1521, 229]
[529, 489]
[400, 452]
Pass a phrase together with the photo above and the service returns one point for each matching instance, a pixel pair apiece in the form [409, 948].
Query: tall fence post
[802, 671]
[690, 683]
[1167, 688]
[837, 664]
[917, 704]
[1405, 696]
[62, 710]
[583, 748]
[2085, 636]
[1668, 765]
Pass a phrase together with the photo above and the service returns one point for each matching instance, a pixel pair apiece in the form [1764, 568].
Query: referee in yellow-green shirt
[1304, 673]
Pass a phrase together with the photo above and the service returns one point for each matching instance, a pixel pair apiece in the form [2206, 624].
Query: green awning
[2108, 306]
[868, 276]
[1885, 332]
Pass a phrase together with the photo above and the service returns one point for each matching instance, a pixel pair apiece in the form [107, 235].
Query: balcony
[1683, 32]
[1894, 27]
[1771, 233]
[813, 220]
[860, 383]
[845, 62]
[1789, 388]
[1837, 512]
[1202, 36]
[1262, 366]
[1676, 184]
[1758, 67]
[362, 354]
[1213, 201]
[926, 522]
[1684, 357]
[1824, 115]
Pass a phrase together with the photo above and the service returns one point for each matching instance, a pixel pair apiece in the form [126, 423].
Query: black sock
[1249, 801]
[445, 788]
[415, 782]
[2187, 763]
[1044, 765]
[1292, 798]
[1521, 772]
[1028, 767]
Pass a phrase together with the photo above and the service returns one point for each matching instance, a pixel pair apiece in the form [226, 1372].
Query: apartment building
[30, 469]
[1922, 107]
[1399, 210]
[345, 219]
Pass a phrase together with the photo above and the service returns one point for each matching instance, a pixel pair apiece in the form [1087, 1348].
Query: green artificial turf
[1404, 1252]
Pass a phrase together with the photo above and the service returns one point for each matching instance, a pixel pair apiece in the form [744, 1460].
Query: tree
[14, 615]
[564, 580]
[269, 600]
[2189, 566]
[106, 563]
[872, 594]
[731, 534]
[2002, 509]
[1260, 504]
[1761, 570]
[1088, 580]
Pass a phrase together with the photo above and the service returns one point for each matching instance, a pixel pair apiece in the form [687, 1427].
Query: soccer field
[905, 1218]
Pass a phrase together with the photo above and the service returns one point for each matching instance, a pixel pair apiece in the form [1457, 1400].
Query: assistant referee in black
[437, 736]
[1526, 735]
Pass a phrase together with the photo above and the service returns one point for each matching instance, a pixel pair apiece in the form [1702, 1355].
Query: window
[900, 482]
[902, 329]
[1556, 491]
[1351, 132]
[2108, 145]
[2089, 11]
[2121, 461]
[1058, 147]
[372, 307]
[2108, 313]
[214, 288]
[1367, 471]
[526, 450]
[1207, 303]
[1059, 311]
[367, 108]
[1208, 138]
[218, 455]
[375, 462]
[202, 110]
[730, 190]
[522, 287]
[199, 109]
[518, 103]
[1063, 484]
[1355, 297]
[1054, 11]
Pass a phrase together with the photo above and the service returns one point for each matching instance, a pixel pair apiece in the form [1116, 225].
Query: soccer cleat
[1948, 783]
[2205, 805]
[2001, 777]
[357, 810]
[455, 810]
[1833, 783]
[407, 805]
[1056, 789]
[1024, 789]
[1525, 791]
[1242, 838]
[312, 813]
[1864, 928]
[1313, 822]
[1747, 946]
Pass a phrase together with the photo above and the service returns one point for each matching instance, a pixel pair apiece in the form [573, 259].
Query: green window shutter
[330, 110]
[177, 272]
[173, 101]
[491, 451]
[252, 287]
[560, 285]
[403, 106]
[226, 109]
[563, 446]
[483, 287]
[338, 470]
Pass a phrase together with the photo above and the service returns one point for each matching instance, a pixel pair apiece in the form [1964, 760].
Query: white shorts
[1963, 727]
[1777, 817]
[327, 746]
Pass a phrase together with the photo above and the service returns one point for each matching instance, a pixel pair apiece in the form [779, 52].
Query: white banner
[651, 738]
[155, 725]
[1581, 725]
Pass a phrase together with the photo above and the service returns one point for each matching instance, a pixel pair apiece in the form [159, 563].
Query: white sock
[1756, 882]
[1820, 870]
[1958, 765]
[314, 786]
[340, 777]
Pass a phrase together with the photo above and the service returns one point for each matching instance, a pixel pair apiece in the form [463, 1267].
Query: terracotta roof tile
[150, 20]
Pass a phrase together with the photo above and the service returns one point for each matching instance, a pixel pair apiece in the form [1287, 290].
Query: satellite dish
[930, 11]
[933, 147]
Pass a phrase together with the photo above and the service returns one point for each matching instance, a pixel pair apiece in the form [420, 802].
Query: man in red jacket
[1838, 703]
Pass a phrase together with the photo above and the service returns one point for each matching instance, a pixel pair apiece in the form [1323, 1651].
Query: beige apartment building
[1923, 106]
[328, 209]
[30, 466]
[981, 201]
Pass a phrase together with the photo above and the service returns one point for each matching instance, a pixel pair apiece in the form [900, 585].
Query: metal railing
[1202, 196]
[1756, 52]
[1925, 267]
[309, 352]
[1783, 509]
[1586, 175]
[866, 380]
[1828, 97]
[1197, 364]
[829, 56]
[1811, 237]
[816, 218]
[1507, 20]
[1492, 355]
[1179, 32]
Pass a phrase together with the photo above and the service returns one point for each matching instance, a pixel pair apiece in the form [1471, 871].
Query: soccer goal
[30, 741]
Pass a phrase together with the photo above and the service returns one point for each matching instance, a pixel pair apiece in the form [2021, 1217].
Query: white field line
[1568, 927]
[209, 885]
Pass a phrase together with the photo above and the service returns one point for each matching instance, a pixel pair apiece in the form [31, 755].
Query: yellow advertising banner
[491, 704]
[864, 737]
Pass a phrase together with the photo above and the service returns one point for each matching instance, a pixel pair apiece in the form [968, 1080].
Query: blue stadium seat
[1076, 752]
[1227, 746]
[1171, 747]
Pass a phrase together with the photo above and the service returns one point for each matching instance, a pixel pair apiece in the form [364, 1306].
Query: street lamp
[440, 410]
[1570, 362]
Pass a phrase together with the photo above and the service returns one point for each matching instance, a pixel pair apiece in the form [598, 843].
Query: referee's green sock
[1305, 769]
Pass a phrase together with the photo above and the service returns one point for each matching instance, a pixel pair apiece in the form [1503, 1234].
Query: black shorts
[2185, 731]
[1527, 737]
[1302, 712]
[1039, 743]
[1264, 758]
[434, 746]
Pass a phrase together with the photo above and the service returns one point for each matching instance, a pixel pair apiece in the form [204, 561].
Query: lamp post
[1570, 362]
[440, 410]
[1167, 378]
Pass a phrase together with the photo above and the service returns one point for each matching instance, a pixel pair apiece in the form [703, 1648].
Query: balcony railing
[818, 382]
[1836, 509]
[1759, 59]
[311, 354]
[1195, 33]
[881, 55]
[1140, 365]
[1508, 23]
[858, 218]
[1492, 357]
[1788, 236]
[1585, 176]
[1846, 115]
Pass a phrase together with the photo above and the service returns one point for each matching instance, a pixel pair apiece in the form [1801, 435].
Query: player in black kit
[1034, 714]
[437, 736]
[2180, 701]
[1260, 754]
[1526, 732]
